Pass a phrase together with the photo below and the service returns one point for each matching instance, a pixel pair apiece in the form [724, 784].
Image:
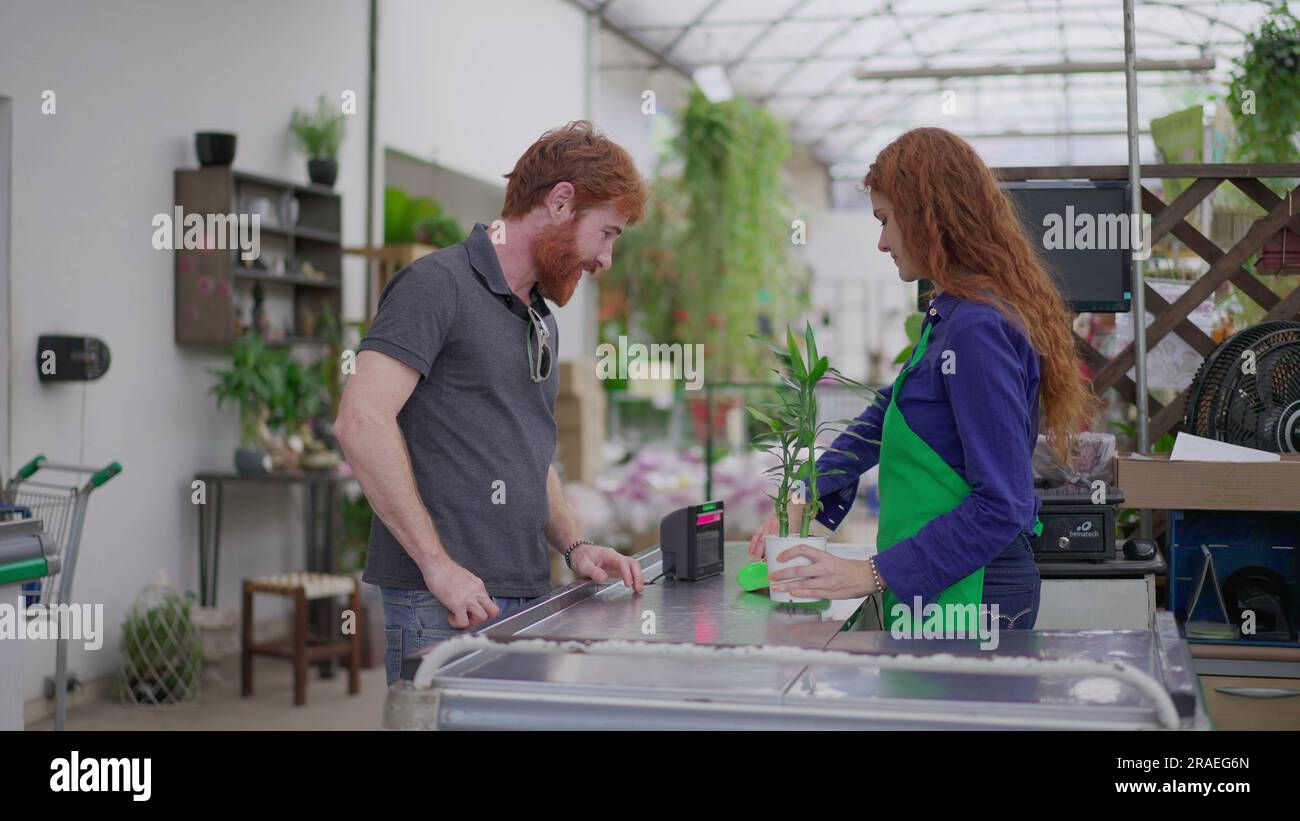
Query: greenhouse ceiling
[1027, 81]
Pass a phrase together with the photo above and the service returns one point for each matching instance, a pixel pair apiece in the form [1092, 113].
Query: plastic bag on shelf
[1092, 457]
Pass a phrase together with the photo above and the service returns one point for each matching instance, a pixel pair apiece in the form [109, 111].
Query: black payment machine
[690, 539]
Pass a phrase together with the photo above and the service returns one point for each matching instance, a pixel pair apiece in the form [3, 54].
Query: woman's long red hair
[961, 231]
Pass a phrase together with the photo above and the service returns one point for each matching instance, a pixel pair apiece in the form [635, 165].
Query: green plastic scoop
[753, 576]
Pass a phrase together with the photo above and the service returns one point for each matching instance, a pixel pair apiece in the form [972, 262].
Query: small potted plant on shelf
[791, 436]
[319, 135]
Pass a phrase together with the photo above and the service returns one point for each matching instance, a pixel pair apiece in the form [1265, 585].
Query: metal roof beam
[762, 35]
[819, 47]
[1200, 64]
[685, 32]
[853, 58]
[1012, 7]
[1031, 135]
[660, 61]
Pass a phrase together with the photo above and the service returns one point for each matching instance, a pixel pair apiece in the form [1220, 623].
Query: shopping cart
[62, 509]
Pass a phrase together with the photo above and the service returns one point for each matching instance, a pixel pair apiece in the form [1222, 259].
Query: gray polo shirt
[481, 434]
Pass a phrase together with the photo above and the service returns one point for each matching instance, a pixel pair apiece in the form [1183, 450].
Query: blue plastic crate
[1237, 540]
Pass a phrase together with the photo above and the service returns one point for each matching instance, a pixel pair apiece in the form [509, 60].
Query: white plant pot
[774, 546]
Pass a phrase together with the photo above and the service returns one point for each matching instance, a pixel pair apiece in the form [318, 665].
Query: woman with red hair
[958, 427]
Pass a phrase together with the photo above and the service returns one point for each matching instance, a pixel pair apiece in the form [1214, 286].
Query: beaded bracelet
[875, 575]
[576, 544]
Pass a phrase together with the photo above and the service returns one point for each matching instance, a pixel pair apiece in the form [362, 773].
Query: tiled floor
[328, 707]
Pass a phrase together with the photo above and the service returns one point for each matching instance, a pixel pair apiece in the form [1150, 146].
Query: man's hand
[599, 563]
[460, 591]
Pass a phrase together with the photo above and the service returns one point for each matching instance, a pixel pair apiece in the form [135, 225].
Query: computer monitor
[1081, 231]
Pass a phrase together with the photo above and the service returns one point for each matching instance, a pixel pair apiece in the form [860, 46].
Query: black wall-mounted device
[71, 358]
[690, 539]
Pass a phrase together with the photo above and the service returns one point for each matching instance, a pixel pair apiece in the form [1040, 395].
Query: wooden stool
[303, 649]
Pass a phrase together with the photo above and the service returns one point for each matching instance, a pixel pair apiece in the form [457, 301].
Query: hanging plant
[737, 229]
[643, 287]
[1265, 92]
[709, 263]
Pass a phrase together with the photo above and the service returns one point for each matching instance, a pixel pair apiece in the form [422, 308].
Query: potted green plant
[302, 397]
[252, 381]
[299, 395]
[791, 436]
[420, 220]
[162, 649]
[319, 135]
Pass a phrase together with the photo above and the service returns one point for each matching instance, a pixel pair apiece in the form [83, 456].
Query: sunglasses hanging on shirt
[540, 359]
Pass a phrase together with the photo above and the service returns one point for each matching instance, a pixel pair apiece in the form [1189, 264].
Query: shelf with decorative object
[298, 268]
[286, 279]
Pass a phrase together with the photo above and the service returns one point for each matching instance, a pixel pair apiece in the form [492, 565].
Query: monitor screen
[708, 546]
[1081, 230]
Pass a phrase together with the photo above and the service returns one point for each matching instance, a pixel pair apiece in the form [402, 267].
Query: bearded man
[449, 421]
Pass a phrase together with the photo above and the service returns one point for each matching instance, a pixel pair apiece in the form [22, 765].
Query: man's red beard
[559, 265]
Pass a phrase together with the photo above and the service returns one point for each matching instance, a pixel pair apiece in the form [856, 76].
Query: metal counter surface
[710, 611]
[1109, 702]
[491, 689]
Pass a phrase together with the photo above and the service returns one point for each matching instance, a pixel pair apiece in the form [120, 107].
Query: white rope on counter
[1166, 713]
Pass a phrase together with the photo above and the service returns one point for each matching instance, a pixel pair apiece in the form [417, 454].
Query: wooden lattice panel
[1226, 266]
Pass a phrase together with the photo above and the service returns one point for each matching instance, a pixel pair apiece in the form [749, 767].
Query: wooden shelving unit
[214, 288]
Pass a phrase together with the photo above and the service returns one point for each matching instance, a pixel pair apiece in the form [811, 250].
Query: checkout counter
[707, 655]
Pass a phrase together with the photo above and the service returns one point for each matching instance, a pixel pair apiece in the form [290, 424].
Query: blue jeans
[1011, 581]
[414, 619]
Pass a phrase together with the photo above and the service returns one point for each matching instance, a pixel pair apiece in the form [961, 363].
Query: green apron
[916, 486]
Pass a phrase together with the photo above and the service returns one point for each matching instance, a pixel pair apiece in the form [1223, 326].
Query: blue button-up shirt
[973, 398]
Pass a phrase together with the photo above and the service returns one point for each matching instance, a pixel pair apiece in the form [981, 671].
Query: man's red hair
[600, 170]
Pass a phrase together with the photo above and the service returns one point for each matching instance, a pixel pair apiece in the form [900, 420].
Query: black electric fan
[1247, 392]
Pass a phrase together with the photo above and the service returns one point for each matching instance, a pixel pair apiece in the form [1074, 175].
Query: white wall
[133, 81]
[470, 86]
[621, 85]
[860, 289]
[467, 85]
